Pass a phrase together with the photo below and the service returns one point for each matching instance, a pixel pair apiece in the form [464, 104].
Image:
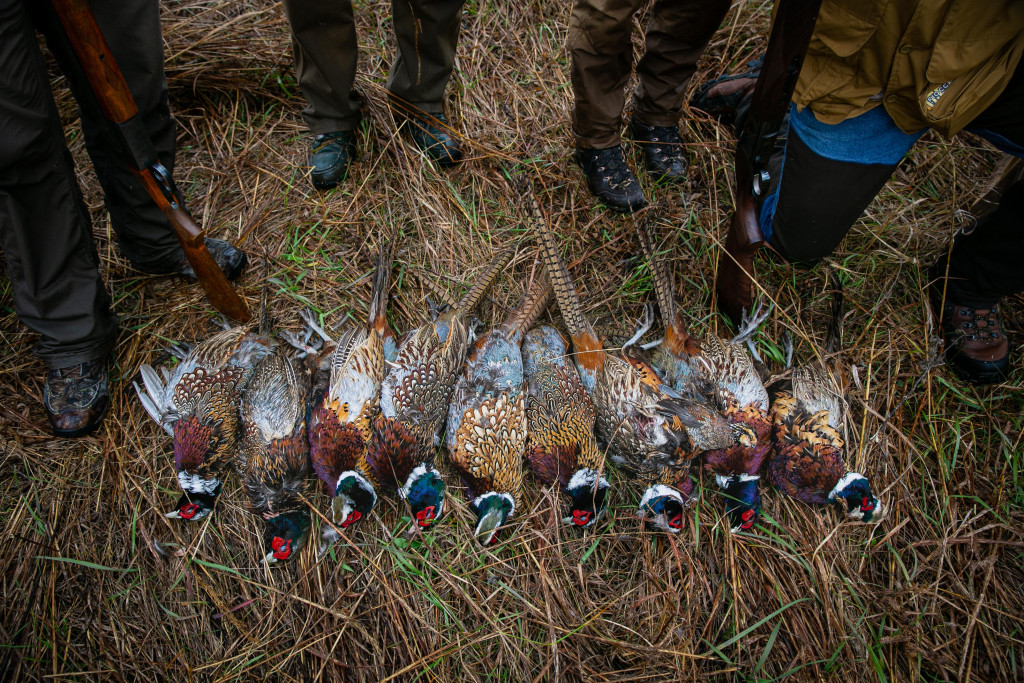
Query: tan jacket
[930, 63]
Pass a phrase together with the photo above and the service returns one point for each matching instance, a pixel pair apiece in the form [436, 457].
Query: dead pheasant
[343, 404]
[807, 424]
[273, 461]
[641, 425]
[197, 404]
[678, 356]
[486, 431]
[560, 443]
[414, 400]
[723, 377]
[743, 400]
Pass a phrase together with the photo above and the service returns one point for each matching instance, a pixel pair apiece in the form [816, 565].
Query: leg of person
[823, 178]
[602, 60]
[326, 54]
[427, 32]
[983, 267]
[47, 236]
[677, 34]
[132, 29]
[985, 264]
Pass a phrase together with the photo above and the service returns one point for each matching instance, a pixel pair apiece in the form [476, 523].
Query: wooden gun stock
[115, 99]
[787, 47]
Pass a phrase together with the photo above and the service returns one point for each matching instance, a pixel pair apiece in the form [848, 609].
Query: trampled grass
[97, 584]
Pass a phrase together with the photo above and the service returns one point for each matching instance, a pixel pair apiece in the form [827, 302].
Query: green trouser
[45, 229]
[602, 59]
[324, 41]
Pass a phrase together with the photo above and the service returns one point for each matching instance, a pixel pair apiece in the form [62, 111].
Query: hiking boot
[231, 259]
[330, 157]
[663, 150]
[76, 398]
[727, 98]
[434, 135]
[610, 179]
[976, 348]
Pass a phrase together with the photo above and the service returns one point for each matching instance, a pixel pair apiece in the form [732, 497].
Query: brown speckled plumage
[486, 431]
[345, 399]
[808, 458]
[632, 415]
[559, 412]
[808, 462]
[273, 461]
[197, 403]
[417, 389]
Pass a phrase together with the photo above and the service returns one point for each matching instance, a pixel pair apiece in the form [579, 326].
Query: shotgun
[787, 45]
[114, 98]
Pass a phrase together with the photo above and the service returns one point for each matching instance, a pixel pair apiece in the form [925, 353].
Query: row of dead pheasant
[366, 414]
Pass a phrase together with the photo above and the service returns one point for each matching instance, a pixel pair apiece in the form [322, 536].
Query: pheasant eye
[580, 517]
[282, 548]
[866, 505]
[188, 511]
[676, 522]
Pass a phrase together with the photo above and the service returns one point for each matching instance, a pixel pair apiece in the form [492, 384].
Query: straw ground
[97, 584]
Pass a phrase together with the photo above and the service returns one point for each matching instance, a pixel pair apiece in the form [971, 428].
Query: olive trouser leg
[324, 40]
[44, 226]
[132, 29]
[602, 60]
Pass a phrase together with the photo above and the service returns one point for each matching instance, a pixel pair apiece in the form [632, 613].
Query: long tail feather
[476, 293]
[565, 291]
[381, 285]
[664, 289]
[532, 306]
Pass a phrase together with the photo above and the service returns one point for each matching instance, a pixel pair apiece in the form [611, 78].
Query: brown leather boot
[734, 284]
[76, 398]
[977, 349]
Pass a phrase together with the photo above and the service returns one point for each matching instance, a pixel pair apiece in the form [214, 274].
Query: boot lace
[981, 324]
[611, 164]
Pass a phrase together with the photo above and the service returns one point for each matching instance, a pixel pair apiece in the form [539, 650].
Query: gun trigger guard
[761, 179]
[167, 186]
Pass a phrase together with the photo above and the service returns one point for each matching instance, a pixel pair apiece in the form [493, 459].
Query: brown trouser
[324, 41]
[602, 60]
[45, 227]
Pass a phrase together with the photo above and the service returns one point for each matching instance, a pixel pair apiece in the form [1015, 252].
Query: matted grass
[933, 592]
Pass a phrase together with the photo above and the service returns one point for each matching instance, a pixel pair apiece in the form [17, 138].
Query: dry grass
[933, 592]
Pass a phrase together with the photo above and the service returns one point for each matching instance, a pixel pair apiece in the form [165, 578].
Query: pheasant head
[492, 511]
[354, 498]
[192, 507]
[743, 501]
[589, 493]
[285, 534]
[861, 504]
[424, 490]
[662, 507]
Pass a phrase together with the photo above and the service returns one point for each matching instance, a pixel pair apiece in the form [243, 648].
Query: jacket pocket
[844, 26]
[950, 105]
